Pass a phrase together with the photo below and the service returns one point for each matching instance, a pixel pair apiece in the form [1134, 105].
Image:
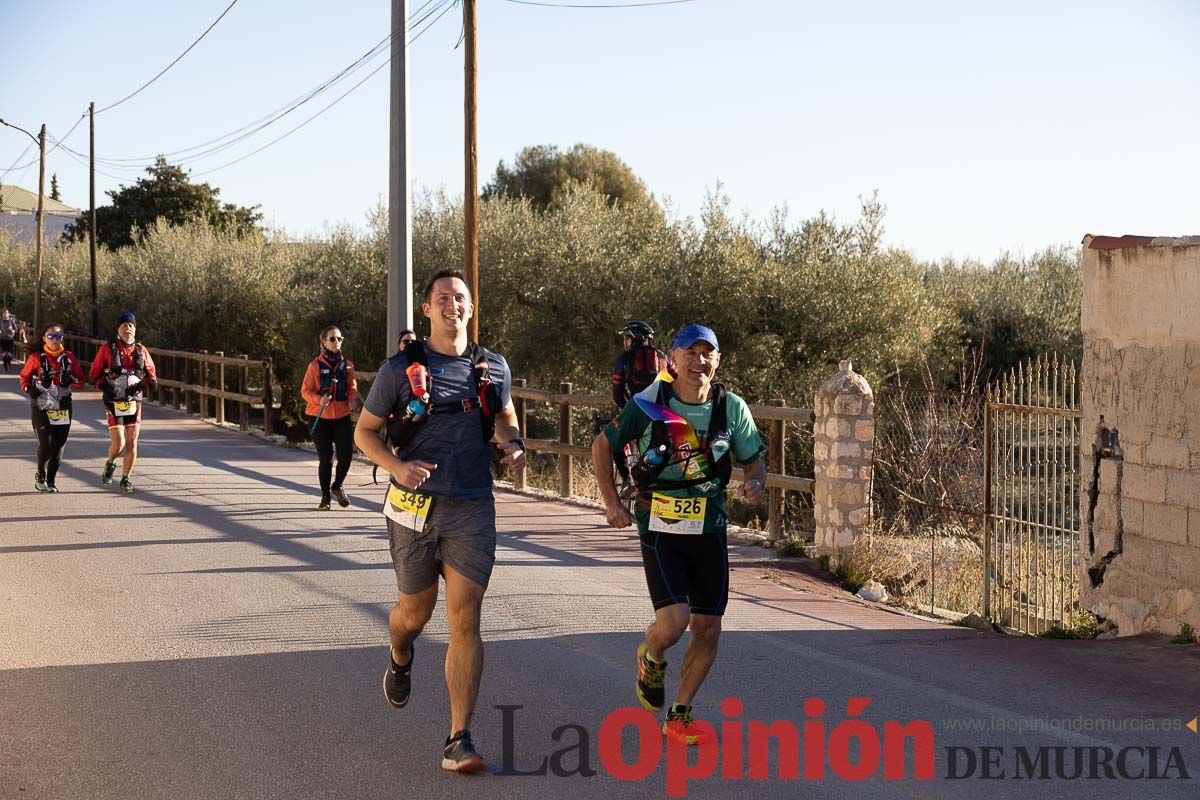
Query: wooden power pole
[471, 193]
[41, 234]
[92, 215]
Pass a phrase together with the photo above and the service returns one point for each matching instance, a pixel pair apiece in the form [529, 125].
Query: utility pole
[400, 277]
[41, 218]
[92, 215]
[41, 233]
[471, 192]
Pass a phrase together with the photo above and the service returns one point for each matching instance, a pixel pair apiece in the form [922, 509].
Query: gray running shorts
[460, 533]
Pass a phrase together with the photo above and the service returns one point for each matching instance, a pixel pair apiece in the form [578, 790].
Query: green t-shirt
[745, 443]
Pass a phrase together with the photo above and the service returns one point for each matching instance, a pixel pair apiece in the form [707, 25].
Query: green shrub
[792, 547]
[1079, 625]
[1186, 635]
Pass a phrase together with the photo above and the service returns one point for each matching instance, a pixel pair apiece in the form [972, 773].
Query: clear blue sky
[984, 126]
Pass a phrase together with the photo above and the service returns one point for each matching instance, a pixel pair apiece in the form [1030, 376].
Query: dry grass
[939, 568]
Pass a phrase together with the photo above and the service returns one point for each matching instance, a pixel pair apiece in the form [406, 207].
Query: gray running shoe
[460, 755]
[397, 681]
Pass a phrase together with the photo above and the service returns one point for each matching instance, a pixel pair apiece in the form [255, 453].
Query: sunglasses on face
[336, 339]
[55, 336]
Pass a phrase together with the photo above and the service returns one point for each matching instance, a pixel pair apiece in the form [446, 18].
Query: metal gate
[1032, 487]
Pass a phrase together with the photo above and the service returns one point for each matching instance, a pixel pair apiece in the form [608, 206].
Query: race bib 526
[677, 514]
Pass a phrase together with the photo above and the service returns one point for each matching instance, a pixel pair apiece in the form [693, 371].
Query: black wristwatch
[520, 443]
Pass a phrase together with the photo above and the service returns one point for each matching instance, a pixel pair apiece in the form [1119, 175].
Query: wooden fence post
[203, 384]
[268, 400]
[243, 406]
[159, 389]
[220, 388]
[187, 382]
[778, 465]
[566, 477]
[519, 482]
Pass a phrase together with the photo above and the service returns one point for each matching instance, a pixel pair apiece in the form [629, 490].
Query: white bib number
[407, 508]
[124, 408]
[59, 416]
[677, 514]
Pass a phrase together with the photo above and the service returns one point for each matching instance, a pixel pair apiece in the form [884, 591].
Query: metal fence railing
[1031, 583]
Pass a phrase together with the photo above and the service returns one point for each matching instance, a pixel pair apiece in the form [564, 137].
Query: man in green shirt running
[689, 431]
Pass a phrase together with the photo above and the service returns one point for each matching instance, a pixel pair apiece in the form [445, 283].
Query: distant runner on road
[690, 430]
[8, 332]
[448, 400]
[121, 371]
[49, 373]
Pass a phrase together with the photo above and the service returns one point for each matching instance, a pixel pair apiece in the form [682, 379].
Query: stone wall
[843, 448]
[1141, 375]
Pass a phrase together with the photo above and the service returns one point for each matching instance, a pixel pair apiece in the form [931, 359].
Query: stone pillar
[843, 447]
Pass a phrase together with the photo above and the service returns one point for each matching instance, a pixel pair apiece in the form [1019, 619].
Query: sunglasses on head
[55, 336]
[336, 339]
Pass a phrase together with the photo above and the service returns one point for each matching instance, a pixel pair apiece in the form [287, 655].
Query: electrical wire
[449, 5]
[136, 166]
[57, 144]
[239, 135]
[15, 160]
[82, 160]
[173, 63]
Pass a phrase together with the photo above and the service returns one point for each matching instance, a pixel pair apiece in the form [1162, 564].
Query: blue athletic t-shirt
[452, 441]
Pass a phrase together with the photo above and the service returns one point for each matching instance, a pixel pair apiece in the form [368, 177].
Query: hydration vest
[116, 367]
[51, 367]
[401, 427]
[647, 475]
[640, 365]
[328, 374]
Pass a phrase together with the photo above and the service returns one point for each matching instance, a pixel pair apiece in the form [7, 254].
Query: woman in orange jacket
[50, 372]
[330, 393]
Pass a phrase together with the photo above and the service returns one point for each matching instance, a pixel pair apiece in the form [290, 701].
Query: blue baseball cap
[695, 333]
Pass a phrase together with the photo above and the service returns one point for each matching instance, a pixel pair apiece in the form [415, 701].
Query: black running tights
[51, 441]
[328, 434]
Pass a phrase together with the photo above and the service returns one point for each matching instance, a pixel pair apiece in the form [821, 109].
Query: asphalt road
[214, 636]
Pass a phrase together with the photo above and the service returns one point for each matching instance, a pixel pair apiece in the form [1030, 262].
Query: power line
[250, 129]
[449, 4]
[173, 63]
[15, 160]
[82, 160]
[57, 144]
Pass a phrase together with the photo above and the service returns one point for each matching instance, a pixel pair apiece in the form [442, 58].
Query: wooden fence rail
[776, 414]
[188, 381]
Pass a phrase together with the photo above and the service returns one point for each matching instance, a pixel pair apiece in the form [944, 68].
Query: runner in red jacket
[122, 370]
[49, 373]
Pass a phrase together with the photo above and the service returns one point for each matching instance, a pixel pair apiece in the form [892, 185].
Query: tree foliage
[545, 175]
[788, 299]
[168, 194]
[1018, 307]
[54, 194]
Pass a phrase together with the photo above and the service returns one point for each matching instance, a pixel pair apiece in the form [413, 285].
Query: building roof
[1122, 242]
[15, 200]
